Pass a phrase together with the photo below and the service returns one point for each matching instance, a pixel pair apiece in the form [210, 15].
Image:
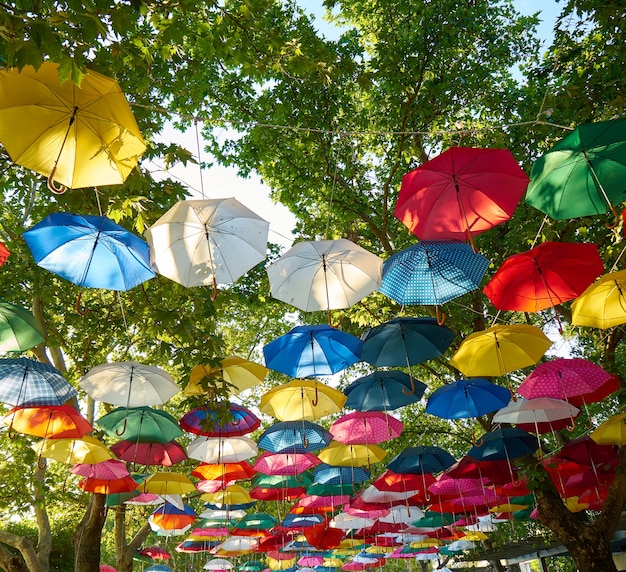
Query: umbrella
[405, 341]
[331, 475]
[547, 275]
[504, 444]
[421, 459]
[72, 451]
[90, 251]
[106, 568]
[294, 437]
[301, 399]
[603, 304]
[222, 449]
[365, 427]
[340, 455]
[224, 471]
[238, 373]
[209, 241]
[285, 463]
[170, 517]
[129, 384]
[564, 378]
[383, 391]
[163, 454]
[19, 331]
[257, 521]
[78, 136]
[4, 253]
[582, 174]
[324, 275]
[167, 483]
[346, 521]
[25, 382]
[156, 553]
[432, 272]
[218, 564]
[611, 432]
[105, 477]
[140, 424]
[500, 349]
[310, 351]
[397, 482]
[460, 193]
[538, 415]
[466, 398]
[235, 420]
[50, 421]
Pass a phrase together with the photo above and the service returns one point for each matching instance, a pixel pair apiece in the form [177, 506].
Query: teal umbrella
[19, 331]
[140, 424]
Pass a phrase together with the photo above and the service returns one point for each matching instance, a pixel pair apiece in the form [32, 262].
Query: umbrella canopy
[301, 399]
[537, 414]
[564, 378]
[504, 444]
[105, 477]
[500, 349]
[129, 384]
[235, 420]
[547, 275]
[611, 432]
[310, 351]
[167, 483]
[222, 449]
[603, 304]
[19, 331]
[162, 454]
[365, 427]
[49, 422]
[78, 136]
[285, 463]
[72, 451]
[405, 341]
[331, 475]
[383, 391]
[207, 242]
[582, 174]
[238, 373]
[90, 251]
[224, 471]
[232, 496]
[324, 275]
[294, 437]
[466, 398]
[421, 459]
[432, 272]
[140, 424]
[462, 192]
[340, 455]
[156, 553]
[170, 517]
[25, 382]
[218, 564]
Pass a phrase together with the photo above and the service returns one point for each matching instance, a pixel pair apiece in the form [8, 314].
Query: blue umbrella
[26, 383]
[432, 272]
[158, 568]
[405, 341]
[310, 351]
[90, 251]
[383, 391]
[330, 475]
[302, 520]
[294, 437]
[421, 460]
[504, 444]
[467, 398]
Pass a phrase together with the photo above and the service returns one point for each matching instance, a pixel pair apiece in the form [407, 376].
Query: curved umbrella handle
[406, 392]
[57, 190]
[316, 399]
[117, 431]
[441, 317]
[617, 217]
[330, 320]
[82, 311]
[214, 293]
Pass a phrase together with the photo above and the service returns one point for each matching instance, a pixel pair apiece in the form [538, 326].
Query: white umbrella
[402, 514]
[459, 545]
[207, 242]
[216, 450]
[345, 521]
[218, 514]
[372, 495]
[218, 564]
[325, 275]
[129, 384]
[237, 544]
[538, 410]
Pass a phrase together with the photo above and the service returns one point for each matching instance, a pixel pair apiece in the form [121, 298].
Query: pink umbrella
[370, 512]
[563, 378]
[310, 561]
[110, 469]
[156, 552]
[485, 498]
[449, 487]
[314, 501]
[163, 454]
[106, 568]
[285, 464]
[212, 486]
[370, 427]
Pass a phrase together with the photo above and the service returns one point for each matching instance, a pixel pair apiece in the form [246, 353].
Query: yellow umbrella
[233, 494]
[426, 543]
[476, 535]
[341, 455]
[603, 304]
[87, 450]
[167, 483]
[77, 136]
[240, 373]
[500, 349]
[508, 507]
[612, 431]
[302, 399]
[274, 564]
[573, 504]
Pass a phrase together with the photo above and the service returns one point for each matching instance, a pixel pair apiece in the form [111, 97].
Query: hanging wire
[195, 123]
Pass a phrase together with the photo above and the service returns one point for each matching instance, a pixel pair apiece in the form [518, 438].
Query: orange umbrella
[51, 421]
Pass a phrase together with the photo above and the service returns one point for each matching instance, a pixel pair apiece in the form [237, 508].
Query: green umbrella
[252, 566]
[257, 521]
[281, 482]
[117, 499]
[583, 174]
[140, 424]
[19, 330]
[435, 520]
[323, 490]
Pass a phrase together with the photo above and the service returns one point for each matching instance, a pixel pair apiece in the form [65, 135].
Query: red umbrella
[547, 275]
[163, 454]
[277, 494]
[460, 193]
[371, 427]
[498, 472]
[323, 537]
[106, 477]
[156, 552]
[396, 482]
[4, 253]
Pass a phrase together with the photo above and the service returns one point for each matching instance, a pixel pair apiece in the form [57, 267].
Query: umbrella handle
[477, 443]
[441, 317]
[57, 190]
[616, 216]
[316, 399]
[330, 320]
[214, 293]
[412, 387]
[117, 431]
[39, 464]
[82, 311]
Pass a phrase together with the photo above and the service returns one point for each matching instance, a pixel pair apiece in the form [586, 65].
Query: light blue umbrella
[90, 251]
[294, 437]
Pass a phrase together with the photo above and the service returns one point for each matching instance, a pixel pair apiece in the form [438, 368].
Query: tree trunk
[88, 534]
[29, 561]
[126, 550]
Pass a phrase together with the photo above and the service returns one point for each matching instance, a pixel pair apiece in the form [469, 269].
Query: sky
[223, 182]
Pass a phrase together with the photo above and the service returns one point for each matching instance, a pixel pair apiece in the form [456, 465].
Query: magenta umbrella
[314, 501]
[110, 469]
[449, 487]
[563, 378]
[162, 454]
[285, 464]
[310, 561]
[212, 486]
[370, 427]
